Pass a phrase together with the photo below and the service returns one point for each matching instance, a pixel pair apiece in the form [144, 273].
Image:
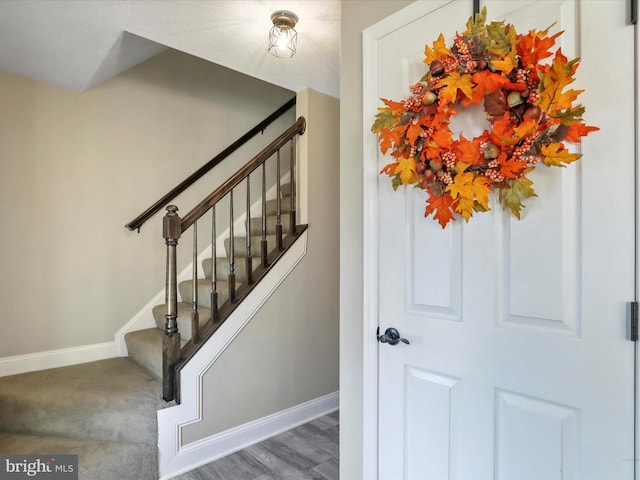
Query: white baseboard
[212, 448]
[56, 358]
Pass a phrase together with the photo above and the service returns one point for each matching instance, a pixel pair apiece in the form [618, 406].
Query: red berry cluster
[461, 45]
[413, 104]
[493, 173]
[418, 88]
[449, 159]
[445, 177]
[426, 132]
[450, 63]
[522, 149]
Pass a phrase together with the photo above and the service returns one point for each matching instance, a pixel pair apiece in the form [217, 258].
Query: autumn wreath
[525, 102]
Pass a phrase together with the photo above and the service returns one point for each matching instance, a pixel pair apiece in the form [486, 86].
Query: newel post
[171, 231]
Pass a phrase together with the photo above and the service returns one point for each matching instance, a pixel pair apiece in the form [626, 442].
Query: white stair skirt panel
[174, 457]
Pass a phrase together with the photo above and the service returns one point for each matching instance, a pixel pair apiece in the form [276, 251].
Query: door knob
[391, 336]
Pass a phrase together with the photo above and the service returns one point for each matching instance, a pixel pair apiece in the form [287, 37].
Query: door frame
[633, 5]
[370, 225]
[370, 221]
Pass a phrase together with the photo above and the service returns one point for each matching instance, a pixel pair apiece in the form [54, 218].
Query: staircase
[145, 346]
[105, 411]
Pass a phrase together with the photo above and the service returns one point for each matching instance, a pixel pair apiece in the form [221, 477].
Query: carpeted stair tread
[184, 317]
[109, 400]
[145, 348]
[97, 460]
[256, 224]
[285, 191]
[222, 268]
[285, 206]
[204, 291]
[240, 245]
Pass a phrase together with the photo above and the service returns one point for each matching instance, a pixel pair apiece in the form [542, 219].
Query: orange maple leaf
[441, 207]
[442, 137]
[439, 50]
[396, 107]
[556, 155]
[469, 151]
[439, 142]
[534, 47]
[502, 134]
[526, 128]
[413, 132]
[452, 83]
[489, 81]
[389, 169]
[578, 130]
[397, 135]
[510, 167]
[386, 140]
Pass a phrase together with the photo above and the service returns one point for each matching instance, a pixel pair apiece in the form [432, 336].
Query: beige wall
[288, 353]
[75, 167]
[357, 15]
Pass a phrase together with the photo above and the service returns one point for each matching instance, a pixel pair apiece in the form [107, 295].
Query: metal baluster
[249, 263]
[264, 250]
[195, 315]
[171, 231]
[232, 253]
[214, 268]
[278, 212]
[292, 215]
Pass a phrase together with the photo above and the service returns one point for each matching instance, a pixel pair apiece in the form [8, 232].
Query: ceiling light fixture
[283, 38]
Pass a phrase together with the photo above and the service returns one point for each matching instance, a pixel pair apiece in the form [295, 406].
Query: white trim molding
[56, 358]
[174, 456]
[212, 448]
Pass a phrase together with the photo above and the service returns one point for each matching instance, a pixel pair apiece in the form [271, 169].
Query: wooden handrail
[297, 128]
[137, 222]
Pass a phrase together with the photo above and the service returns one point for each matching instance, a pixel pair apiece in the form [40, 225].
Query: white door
[519, 364]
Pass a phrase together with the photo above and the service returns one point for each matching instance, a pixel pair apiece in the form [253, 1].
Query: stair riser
[204, 292]
[184, 318]
[285, 206]
[240, 244]
[222, 268]
[256, 225]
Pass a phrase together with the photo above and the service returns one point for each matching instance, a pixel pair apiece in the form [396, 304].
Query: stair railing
[173, 355]
[137, 222]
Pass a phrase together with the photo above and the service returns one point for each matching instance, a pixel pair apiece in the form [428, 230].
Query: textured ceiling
[78, 44]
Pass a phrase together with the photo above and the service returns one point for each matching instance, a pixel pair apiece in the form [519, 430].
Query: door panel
[519, 364]
[550, 447]
[542, 258]
[437, 290]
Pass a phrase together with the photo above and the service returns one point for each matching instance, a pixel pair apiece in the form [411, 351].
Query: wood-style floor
[308, 452]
